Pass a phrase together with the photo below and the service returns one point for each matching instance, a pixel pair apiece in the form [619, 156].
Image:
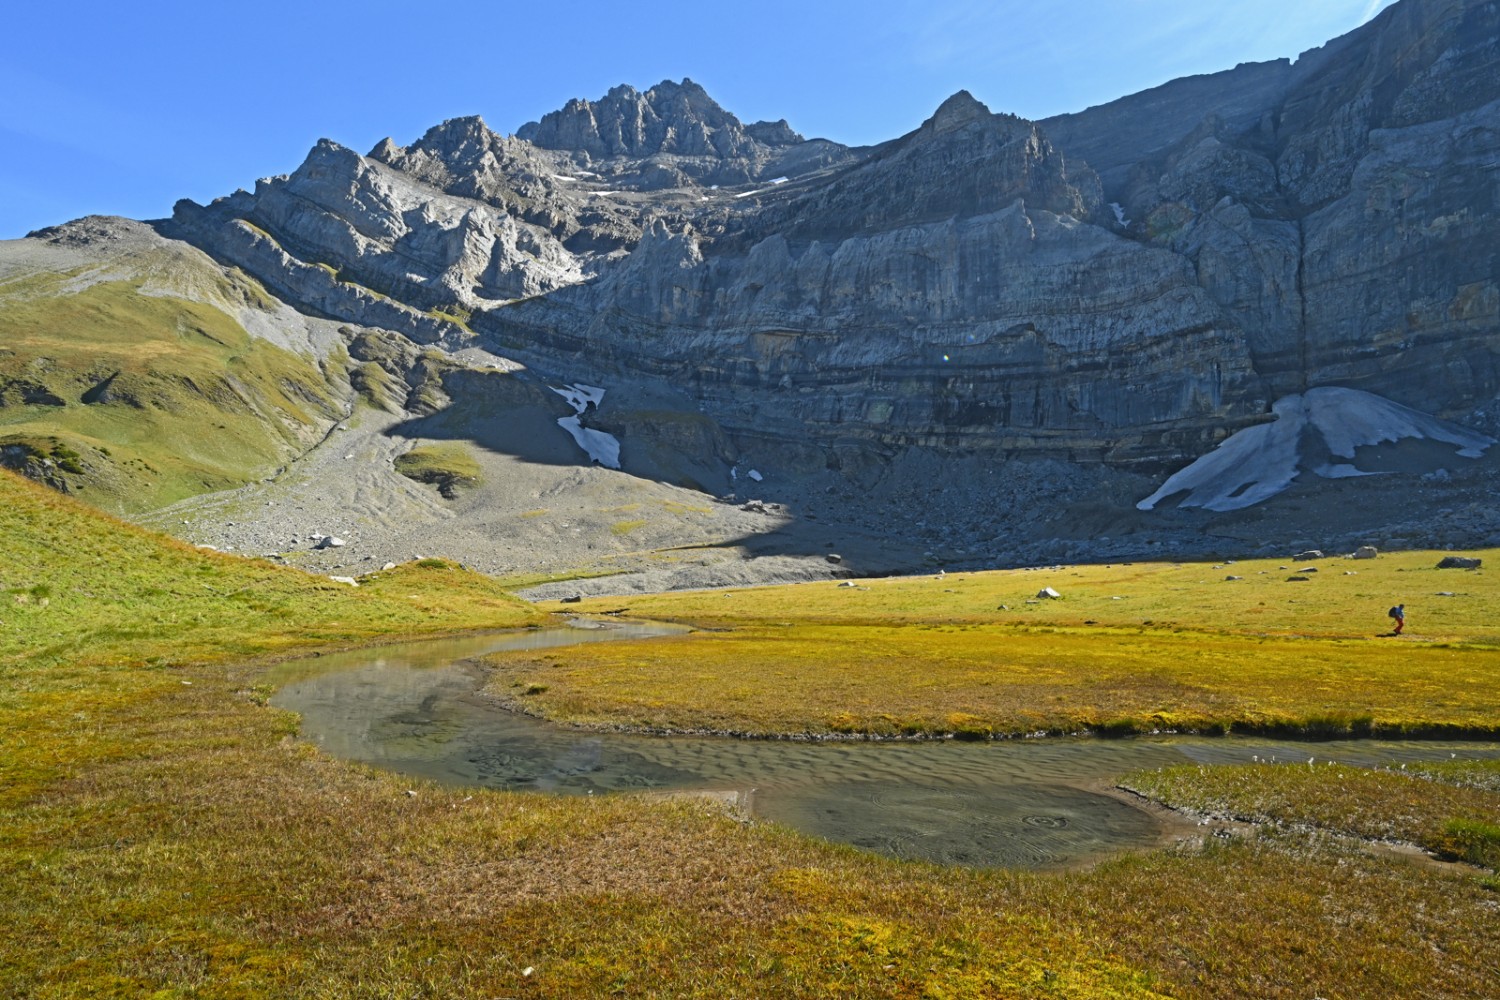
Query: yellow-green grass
[162, 397]
[446, 466]
[99, 614]
[1453, 809]
[1192, 596]
[162, 834]
[1181, 649]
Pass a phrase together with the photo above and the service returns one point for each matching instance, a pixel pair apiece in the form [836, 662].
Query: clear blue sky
[122, 108]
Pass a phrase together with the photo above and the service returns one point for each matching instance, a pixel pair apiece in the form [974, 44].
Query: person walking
[1398, 613]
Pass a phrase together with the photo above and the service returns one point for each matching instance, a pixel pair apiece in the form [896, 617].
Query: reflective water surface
[1028, 803]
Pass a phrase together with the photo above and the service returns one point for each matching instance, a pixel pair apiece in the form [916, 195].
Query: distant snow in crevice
[1119, 211]
[579, 396]
[1259, 462]
[599, 446]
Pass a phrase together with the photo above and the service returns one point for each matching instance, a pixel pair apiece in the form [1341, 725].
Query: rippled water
[413, 709]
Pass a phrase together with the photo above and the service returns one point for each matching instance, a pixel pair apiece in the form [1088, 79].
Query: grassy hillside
[1127, 648]
[162, 834]
[153, 398]
[96, 614]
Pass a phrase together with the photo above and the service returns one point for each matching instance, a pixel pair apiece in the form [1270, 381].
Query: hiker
[1398, 613]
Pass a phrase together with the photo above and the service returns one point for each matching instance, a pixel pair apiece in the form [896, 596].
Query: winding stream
[414, 709]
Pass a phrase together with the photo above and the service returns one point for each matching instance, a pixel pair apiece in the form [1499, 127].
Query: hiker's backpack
[1393, 613]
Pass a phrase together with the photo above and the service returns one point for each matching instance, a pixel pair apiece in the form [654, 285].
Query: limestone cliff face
[1011, 331]
[1127, 284]
[948, 292]
[962, 162]
[392, 241]
[1348, 225]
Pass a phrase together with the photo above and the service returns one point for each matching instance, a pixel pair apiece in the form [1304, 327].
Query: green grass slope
[96, 612]
[142, 399]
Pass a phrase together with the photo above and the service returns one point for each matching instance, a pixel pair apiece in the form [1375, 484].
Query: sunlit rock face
[1127, 285]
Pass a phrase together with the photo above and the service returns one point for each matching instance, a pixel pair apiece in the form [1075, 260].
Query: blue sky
[124, 108]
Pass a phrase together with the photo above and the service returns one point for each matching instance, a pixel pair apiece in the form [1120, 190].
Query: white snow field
[1259, 462]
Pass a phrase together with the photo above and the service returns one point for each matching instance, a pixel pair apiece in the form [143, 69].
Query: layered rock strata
[1123, 285]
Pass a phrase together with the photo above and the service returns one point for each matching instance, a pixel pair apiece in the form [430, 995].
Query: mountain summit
[675, 133]
[677, 118]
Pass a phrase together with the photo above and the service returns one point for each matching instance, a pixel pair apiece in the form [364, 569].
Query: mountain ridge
[1095, 298]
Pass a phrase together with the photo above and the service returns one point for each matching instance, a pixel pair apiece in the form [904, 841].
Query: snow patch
[599, 446]
[779, 180]
[1119, 213]
[1259, 462]
[755, 475]
[579, 396]
[746, 194]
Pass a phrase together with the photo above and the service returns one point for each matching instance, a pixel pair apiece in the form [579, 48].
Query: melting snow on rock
[599, 446]
[1309, 430]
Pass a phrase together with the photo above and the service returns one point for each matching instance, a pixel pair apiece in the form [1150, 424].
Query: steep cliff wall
[968, 286]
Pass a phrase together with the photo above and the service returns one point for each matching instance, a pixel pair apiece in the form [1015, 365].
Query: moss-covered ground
[1126, 648]
[446, 466]
[163, 834]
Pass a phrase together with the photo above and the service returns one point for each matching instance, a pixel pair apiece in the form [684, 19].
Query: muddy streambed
[414, 709]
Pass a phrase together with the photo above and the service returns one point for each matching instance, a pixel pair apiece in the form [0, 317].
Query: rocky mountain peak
[385, 150]
[964, 161]
[777, 133]
[957, 111]
[675, 118]
[457, 139]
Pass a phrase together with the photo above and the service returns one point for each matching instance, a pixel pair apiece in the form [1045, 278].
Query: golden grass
[224, 861]
[1128, 649]
[161, 835]
[1163, 597]
[1420, 804]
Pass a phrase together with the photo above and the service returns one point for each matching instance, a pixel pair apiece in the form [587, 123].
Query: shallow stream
[414, 709]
